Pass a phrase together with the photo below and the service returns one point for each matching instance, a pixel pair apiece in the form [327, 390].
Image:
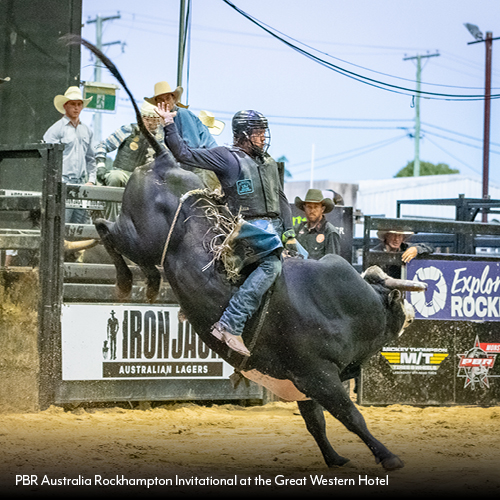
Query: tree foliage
[427, 168]
[284, 159]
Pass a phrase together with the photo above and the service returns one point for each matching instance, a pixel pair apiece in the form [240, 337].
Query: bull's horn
[79, 245]
[406, 285]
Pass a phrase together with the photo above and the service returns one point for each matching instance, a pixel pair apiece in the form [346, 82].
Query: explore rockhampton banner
[449, 354]
[456, 290]
[133, 341]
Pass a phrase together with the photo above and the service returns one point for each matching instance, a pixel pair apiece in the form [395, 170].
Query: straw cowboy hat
[214, 126]
[148, 110]
[72, 94]
[382, 234]
[315, 196]
[164, 88]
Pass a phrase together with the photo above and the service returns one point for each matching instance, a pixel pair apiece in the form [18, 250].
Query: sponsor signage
[419, 360]
[88, 204]
[475, 364]
[14, 192]
[109, 341]
[456, 290]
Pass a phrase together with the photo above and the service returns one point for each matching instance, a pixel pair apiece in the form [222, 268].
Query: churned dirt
[453, 450]
[224, 450]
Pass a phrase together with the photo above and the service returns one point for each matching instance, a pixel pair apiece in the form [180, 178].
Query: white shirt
[78, 154]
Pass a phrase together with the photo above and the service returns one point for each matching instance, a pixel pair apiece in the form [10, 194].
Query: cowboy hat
[72, 94]
[149, 110]
[315, 196]
[6, 79]
[382, 234]
[214, 126]
[164, 88]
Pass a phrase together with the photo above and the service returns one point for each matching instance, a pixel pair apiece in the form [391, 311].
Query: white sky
[358, 131]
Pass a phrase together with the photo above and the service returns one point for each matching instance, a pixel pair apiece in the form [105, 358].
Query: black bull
[324, 320]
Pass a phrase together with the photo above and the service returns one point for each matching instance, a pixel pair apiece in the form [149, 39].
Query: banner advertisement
[117, 341]
[456, 290]
[448, 355]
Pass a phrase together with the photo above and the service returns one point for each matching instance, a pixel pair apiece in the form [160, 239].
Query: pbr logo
[476, 363]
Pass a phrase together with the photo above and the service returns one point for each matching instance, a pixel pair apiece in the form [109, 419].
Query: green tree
[427, 168]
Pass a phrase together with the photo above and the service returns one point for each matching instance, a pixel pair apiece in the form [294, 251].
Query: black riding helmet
[247, 121]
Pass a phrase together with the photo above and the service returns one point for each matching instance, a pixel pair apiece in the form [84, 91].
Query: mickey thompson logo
[423, 360]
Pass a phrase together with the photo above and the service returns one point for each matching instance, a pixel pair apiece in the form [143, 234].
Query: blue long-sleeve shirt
[192, 130]
[78, 155]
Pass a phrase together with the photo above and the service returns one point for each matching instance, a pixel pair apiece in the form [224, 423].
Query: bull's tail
[76, 39]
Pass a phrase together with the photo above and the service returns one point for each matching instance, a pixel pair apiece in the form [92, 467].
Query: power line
[355, 76]
[360, 151]
[346, 127]
[454, 157]
[457, 141]
[457, 133]
[384, 141]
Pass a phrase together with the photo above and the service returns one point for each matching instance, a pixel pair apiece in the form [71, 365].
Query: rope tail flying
[78, 40]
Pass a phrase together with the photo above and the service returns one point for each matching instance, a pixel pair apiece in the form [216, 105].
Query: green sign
[103, 96]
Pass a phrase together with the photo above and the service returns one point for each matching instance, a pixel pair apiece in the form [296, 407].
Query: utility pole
[488, 42]
[97, 68]
[182, 45]
[416, 161]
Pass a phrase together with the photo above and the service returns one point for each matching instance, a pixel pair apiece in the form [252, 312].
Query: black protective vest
[132, 152]
[256, 191]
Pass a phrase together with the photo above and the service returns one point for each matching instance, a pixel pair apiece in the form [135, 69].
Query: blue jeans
[245, 302]
[75, 215]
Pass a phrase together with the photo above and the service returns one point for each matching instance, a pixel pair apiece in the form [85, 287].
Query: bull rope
[176, 216]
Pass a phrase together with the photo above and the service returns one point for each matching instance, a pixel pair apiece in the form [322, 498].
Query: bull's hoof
[123, 295]
[151, 295]
[392, 463]
[338, 462]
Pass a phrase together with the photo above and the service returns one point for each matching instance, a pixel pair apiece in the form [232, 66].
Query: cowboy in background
[133, 151]
[395, 241]
[318, 236]
[79, 166]
[189, 126]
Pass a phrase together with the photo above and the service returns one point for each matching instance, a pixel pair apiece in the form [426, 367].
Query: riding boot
[235, 342]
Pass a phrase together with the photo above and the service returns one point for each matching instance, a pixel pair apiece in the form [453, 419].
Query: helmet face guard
[245, 123]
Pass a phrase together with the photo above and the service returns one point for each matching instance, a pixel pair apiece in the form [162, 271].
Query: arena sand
[262, 449]
[446, 450]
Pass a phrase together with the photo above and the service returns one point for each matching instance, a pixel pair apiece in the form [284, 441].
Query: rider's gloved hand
[291, 249]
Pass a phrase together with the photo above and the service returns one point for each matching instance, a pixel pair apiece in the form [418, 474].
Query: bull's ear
[395, 295]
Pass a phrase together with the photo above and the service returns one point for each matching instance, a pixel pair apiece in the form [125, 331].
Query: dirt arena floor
[180, 449]
[232, 450]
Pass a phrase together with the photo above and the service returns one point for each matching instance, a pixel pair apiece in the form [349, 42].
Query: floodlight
[474, 31]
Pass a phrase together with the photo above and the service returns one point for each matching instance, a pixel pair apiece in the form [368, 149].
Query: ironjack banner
[110, 341]
[457, 290]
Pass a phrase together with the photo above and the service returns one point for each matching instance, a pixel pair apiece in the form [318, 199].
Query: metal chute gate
[91, 348]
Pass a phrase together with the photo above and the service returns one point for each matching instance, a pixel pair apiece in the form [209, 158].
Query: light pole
[488, 42]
